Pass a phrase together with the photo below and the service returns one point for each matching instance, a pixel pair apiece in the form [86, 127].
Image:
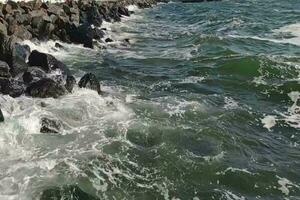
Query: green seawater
[202, 104]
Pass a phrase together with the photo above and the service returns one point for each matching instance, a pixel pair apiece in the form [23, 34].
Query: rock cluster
[40, 75]
[71, 22]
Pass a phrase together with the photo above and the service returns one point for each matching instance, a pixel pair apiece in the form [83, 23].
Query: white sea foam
[294, 30]
[269, 121]
[232, 169]
[230, 103]
[291, 117]
[285, 185]
[192, 79]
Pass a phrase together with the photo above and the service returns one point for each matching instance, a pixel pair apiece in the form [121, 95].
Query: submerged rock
[45, 88]
[67, 192]
[50, 125]
[90, 81]
[1, 116]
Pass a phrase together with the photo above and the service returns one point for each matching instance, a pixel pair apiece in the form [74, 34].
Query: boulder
[1, 116]
[70, 83]
[3, 28]
[66, 192]
[81, 35]
[22, 33]
[94, 17]
[4, 70]
[90, 81]
[45, 88]
[11, 87]
[50, 125]
[123, 11]
[108, 40]
[22, 51]
[84, 34]
[7, 9]
[56, 10]
[33, 74]
[37, 4]
[7, 49]
[47, 62]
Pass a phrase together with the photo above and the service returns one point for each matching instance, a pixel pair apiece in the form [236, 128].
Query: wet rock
[1, 116]
[123, 11]
[81, 35]
[11, 87]
[57, 45]
[90, 81]
[47, 62]
[7, 49]
[43, 104]
[22, 51]
[108, 40]
[33, 74]
[94, 17]
[50, 125]
[45, 88]
[4, 70]
[70, 83]
[66, 192]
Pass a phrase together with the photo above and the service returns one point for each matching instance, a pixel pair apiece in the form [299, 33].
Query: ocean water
[202, 104]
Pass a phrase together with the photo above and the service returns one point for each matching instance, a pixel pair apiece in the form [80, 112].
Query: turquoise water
[203, 104]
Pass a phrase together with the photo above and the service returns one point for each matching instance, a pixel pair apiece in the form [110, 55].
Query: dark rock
[33, 74]
[90, 81]
[108, 40]
[94, 17]
[4, 70]
[81, 35]
[57, 45]
[1, 116]
[70, 83]
[7, 49]
[22, 51]
[27, 77]
[66, 192]
[11, 87]
[50, 125]
[47, 62]
[45, 88]
[123, 11]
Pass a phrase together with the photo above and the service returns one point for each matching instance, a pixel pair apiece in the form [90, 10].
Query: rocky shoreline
[39, 75]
